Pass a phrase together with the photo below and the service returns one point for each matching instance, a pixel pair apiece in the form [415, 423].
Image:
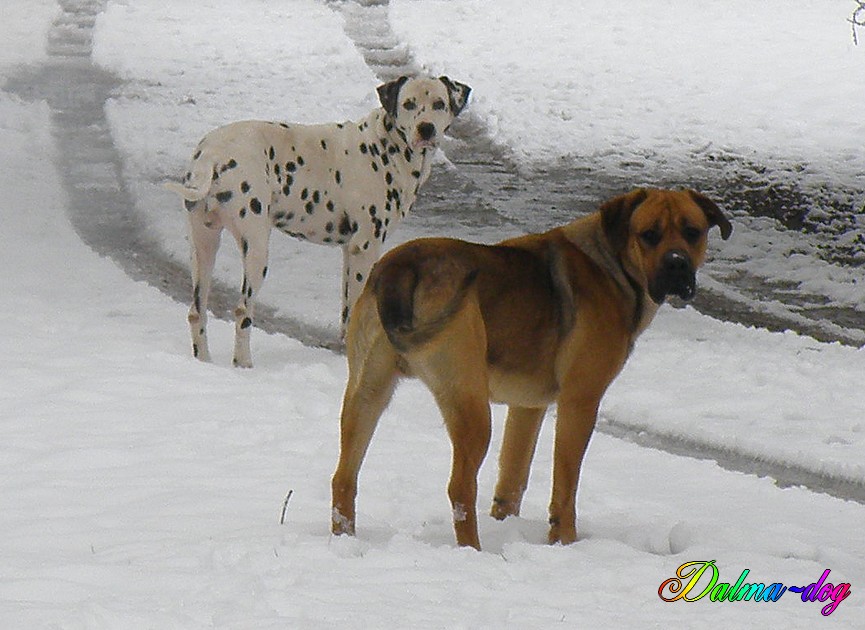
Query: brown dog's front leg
[518, 448]
[574, 426]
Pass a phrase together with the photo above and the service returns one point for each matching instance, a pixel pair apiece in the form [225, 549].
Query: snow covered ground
[662, 79]
[143, 489]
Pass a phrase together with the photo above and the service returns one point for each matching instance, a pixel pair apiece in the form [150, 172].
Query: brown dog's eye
[650, 237]
[692, 234]
[439, 104]
[410, 105]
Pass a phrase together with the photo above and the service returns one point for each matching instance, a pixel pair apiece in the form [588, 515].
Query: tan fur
[541, 319]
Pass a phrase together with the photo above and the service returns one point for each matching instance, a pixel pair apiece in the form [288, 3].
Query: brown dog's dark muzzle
[675, 277]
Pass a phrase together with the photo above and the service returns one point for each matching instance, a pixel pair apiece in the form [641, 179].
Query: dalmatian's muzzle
[425, 136]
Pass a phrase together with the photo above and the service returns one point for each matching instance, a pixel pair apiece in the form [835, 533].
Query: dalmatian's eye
[410, 105]
[439, 104]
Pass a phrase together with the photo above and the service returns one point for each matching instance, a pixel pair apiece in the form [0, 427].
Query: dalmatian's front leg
[358, 257]
[254, 247]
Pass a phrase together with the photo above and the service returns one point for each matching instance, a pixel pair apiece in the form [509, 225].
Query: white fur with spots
[346, 184]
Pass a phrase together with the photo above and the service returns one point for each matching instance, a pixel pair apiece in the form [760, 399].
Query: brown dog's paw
[503, 508]
[340, 525]
[562, 534]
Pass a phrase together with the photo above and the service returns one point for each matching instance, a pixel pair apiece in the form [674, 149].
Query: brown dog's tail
[418, 294]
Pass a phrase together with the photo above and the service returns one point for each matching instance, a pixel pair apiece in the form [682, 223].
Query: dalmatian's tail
[195, 186]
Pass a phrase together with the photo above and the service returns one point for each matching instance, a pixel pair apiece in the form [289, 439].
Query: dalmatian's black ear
[458, 93]
[388, 94]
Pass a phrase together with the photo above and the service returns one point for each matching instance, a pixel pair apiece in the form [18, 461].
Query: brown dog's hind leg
[371, 383]
[468, 421]
[518, 448]
[453, 366]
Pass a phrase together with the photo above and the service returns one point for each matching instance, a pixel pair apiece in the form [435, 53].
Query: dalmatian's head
[423, 108]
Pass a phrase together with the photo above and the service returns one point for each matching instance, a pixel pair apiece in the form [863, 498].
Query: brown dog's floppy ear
[616, 217]
[713, 213]
[388, 94]
[458, 94]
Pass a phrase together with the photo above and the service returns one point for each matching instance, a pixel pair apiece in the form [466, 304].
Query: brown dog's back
[420, 286]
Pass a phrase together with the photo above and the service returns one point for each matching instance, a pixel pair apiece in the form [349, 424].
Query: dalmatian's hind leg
[205, 231]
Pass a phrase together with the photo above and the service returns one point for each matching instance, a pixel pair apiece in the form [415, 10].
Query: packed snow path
[101, 208]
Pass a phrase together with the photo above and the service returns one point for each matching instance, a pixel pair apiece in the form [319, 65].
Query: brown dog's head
[660, 237]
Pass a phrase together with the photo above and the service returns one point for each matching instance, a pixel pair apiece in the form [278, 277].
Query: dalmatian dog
[345, 184]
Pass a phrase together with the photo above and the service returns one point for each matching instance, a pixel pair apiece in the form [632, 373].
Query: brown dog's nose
[675, 261]
[426, 131]
[675, 277]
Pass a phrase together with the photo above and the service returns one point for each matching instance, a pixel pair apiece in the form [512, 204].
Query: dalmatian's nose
[426, 131]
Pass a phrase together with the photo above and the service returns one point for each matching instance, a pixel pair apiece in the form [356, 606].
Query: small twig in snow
[285, 507]
[857, 19]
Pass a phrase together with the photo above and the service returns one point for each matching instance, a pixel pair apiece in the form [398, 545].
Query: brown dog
[533, 320]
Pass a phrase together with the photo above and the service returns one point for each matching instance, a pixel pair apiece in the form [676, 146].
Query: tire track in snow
[103, 212]
[784, 474]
